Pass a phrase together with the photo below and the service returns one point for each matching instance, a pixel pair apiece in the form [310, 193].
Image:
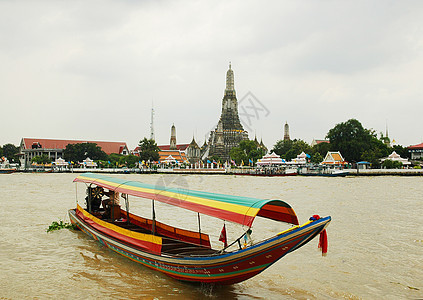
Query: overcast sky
[92, 69]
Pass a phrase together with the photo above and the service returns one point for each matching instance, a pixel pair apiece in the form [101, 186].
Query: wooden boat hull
[222, 268]
[325, 174]
[7, 171]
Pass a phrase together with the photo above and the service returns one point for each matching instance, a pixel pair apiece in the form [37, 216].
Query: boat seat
[190, 251]
[113, 211]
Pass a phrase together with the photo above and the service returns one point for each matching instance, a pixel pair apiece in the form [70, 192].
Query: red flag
[323, 242]
[222, 236]
[323, 239]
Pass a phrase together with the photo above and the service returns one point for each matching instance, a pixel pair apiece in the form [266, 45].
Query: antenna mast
[152, 124]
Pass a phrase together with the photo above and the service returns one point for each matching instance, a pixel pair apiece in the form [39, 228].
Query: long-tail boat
[183, 254]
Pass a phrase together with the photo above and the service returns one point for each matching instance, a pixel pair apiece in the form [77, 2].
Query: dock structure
[386, 172]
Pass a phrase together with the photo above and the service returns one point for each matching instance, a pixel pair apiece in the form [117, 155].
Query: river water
[375, 240]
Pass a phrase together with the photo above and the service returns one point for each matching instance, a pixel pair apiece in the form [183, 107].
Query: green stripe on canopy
[236, 209]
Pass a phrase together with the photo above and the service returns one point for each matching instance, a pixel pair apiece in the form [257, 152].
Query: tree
[41, 159]
[353, 140]
[390, 164]
[79, 152]
[129, 160]
[289, 149]
[282, 147]
[246, 151]
[238, 155]
[149, 150]
[10, 151]
[401, 151]
[114, 159]
[316, 158]
[372, 156]
[321, 148]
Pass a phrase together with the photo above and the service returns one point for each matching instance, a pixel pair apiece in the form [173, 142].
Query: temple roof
[194, 143]
[181, 147]
[176, 154]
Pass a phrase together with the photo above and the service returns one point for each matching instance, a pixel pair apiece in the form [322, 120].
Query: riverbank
[386, 172]
[352, 172]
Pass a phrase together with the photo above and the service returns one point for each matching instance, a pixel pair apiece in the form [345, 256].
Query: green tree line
[355, 143]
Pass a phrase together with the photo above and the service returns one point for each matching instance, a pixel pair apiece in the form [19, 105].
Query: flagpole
[199, 225]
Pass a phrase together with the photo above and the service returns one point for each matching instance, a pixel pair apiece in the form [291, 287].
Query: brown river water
[375, 240]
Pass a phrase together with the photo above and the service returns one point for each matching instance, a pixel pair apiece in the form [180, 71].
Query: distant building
[363, 165]
[164, 151]
[301, 159]
[31, 147]
[286, 132]
[193, 152]
[179, 153]
[416, 151]
[229, 131]
[177, 156]
[204, 150]
[396, 157]
[260, 145]
[334, 158]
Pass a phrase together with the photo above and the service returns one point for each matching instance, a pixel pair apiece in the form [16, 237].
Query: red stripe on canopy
[241, 210]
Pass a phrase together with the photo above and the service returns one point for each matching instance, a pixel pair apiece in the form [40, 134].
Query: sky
[93, 70]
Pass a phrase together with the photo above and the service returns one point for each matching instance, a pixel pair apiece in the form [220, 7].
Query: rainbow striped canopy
[241, 210]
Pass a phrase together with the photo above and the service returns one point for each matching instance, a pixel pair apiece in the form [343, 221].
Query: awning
[241, 210]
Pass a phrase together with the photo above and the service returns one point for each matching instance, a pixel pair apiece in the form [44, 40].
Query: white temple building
[270, 160]
[396, 157]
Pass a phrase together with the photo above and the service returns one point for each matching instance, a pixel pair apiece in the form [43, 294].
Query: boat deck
[171, 246]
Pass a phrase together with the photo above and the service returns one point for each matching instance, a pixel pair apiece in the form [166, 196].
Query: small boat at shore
[322, 171]
[184, 254]
[5, 167]
[269, 172]
[7, 170]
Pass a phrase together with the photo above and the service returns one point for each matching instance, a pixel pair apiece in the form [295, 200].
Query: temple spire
[229, 131]
[386, 129]
[286, 132]
[230, 81]
[173, 137]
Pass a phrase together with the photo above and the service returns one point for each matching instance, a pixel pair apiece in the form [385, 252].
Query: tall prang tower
[286, 132]
[229, 131]
[172, 137]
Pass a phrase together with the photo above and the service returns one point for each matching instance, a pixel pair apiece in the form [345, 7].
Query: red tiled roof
[322, 141]
[108, 147]
[181, 147]
[418, 146]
